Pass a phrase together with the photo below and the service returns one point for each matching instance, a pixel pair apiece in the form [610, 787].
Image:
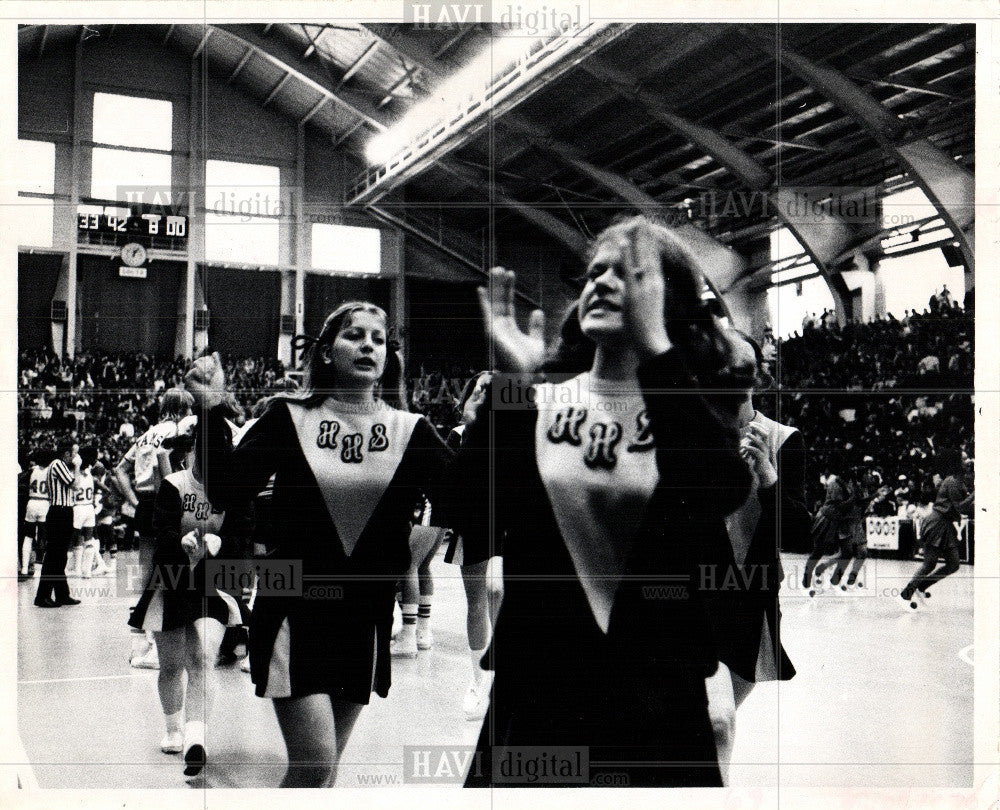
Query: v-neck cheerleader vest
[596, 458]
[175, 594]
[346, 478]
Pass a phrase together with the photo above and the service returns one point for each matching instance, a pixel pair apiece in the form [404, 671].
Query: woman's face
[601, 307]
[358, 352]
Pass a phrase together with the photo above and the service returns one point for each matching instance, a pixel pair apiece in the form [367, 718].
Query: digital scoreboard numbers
[128, 224]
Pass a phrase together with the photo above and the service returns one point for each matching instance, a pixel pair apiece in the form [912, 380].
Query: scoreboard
[153, 226]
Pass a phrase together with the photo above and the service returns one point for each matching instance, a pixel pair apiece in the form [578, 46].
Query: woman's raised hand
[516, 351]
[645, 318]
[206, 381]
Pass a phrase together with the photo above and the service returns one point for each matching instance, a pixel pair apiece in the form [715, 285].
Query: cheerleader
[482, 592]
[348, 467]
[938, 534]
[609, 493]
[138, 475]
[182, 606]
[749, 630]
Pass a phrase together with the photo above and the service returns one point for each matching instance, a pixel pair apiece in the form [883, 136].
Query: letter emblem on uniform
[328, 430]
[643, 434]
[380, 439]
[566, 428]
[600, 452]
[189, 503]
[201, 511]
[351, 451]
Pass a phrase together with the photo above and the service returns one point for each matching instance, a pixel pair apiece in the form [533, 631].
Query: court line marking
[90, 678]
[966, 655]
[25, 771]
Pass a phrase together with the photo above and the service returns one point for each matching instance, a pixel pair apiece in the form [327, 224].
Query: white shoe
[912, 603]
[403, 646]
[397, 620]
[477, 699]
[245, 664]
[148, 660]
[172, 742]
[817, 587]
[425, 638]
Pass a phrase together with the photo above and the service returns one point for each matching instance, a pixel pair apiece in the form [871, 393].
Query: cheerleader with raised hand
[181, 605]
[609, 497]
[348, 467]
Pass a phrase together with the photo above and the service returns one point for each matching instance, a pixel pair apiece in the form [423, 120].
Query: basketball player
[35, 513]
[939, 535]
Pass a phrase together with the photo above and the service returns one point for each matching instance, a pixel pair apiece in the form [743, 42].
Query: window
[240, 239]
[35, 174]
[35, 167]
[243, 209]
[117, 175]
[346, 248]
[144, 123]
[141, 124]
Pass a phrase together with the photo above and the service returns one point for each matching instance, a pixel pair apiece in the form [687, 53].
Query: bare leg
[314, 737]
[477, 618]
[722, 713]
[202, 647]
[202, 642]
[170, 679]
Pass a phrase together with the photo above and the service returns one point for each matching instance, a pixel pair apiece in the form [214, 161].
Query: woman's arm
[234, 476]
[788, 497]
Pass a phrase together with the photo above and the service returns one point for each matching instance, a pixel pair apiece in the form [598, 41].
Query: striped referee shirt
[60, 479]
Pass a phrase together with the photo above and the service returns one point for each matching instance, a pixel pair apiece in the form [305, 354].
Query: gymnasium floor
[882, 697]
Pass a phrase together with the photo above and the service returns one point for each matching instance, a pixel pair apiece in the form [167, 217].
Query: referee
[53, 589]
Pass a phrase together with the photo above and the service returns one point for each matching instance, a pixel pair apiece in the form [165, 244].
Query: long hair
[175, 404]
[691, 325]
[319, 379]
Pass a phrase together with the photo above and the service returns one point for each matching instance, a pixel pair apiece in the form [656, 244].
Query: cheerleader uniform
[346, 477]
[175, 594]
[608, 503]
[475, 549]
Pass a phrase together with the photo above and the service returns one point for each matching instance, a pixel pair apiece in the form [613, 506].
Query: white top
[142, 455]
[353, 451]
[597, 461]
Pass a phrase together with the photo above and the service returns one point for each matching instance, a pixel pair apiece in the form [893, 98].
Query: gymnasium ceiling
[608, 108]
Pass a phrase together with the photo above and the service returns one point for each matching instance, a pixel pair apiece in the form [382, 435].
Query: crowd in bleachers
[877, 397]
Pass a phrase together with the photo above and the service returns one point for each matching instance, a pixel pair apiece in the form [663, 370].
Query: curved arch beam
[822, 234]
[947, 184]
